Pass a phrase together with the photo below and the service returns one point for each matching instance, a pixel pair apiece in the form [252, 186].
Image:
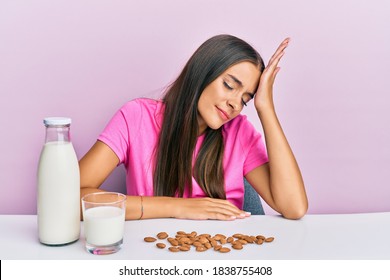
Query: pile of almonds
[184, 241]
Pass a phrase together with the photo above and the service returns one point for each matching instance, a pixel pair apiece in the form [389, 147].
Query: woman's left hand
[264, 94]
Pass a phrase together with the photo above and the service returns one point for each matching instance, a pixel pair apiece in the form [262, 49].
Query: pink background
[84, 59]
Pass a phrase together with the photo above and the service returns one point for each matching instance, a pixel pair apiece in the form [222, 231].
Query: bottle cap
[57, 121]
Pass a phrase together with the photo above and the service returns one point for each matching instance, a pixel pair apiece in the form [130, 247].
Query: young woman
[186, 155]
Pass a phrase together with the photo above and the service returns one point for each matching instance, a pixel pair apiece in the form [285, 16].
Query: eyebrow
[235, 79]
[240, 83]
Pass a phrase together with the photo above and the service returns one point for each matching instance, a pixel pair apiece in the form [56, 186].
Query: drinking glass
[104, 222]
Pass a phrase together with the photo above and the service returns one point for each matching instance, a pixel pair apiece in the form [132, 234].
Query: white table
[315, 237]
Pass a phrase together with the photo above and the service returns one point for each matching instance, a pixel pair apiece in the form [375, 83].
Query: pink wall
[84, 59]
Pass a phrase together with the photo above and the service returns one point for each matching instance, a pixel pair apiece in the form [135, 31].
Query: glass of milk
[104, 221]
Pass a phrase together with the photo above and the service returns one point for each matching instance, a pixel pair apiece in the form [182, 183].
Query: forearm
[148, 207]
[181, 208]
[286, 183]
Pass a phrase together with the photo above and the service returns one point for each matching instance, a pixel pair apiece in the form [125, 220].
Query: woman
[186, 155]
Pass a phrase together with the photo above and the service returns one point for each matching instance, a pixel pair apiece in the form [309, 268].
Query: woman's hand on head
[264, 94]
[207, 209]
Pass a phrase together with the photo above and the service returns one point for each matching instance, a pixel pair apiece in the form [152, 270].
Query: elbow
[296, 213]
[297, 208]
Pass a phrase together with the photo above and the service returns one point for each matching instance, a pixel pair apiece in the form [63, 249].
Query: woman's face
[224, 98]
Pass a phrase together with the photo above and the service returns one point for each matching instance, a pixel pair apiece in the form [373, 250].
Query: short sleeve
[253, 146]
[117, 135]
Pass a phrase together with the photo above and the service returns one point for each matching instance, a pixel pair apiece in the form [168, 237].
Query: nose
[234, 102]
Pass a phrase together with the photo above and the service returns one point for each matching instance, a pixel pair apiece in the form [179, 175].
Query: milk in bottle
[58, 199]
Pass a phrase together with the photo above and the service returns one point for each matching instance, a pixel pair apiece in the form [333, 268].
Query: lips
[225, 116]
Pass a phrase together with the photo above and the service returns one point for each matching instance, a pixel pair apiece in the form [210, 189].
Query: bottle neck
[58, 133]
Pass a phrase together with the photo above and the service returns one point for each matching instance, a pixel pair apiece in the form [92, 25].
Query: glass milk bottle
[58, 200]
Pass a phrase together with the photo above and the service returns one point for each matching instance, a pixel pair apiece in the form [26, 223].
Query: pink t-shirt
[132, 134]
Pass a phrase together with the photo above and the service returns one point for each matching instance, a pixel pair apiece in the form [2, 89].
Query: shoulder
[143, 112]
[141, 104]
[140, 107]
[242, 130]
[238, 124]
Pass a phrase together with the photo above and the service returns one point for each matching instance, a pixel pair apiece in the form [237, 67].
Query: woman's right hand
[206, 209]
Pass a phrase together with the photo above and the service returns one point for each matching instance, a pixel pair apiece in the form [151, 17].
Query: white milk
[58, 194]
[104, 225]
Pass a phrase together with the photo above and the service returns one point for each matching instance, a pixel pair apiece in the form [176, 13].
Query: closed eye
[227, 86]
[245, 100]
[247, 97]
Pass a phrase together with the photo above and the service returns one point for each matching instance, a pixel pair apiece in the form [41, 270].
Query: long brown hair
[179, 130]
